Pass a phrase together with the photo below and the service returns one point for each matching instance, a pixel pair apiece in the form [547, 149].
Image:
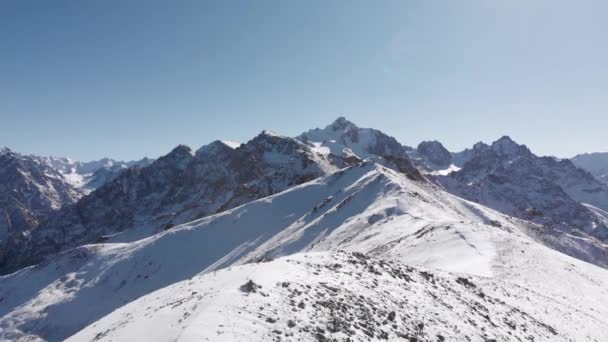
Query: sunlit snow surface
[232, 144]
[318, 296]
[365, 208]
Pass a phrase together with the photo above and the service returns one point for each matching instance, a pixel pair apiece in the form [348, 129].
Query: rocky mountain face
[435, 154]
[431, 156]
[177, 188]
[460, 158]
[88, 176]
[508, 177]
[343, 138]
[39, 185]
[504, 175]
[30, 191]
[33, 189]
[594, 163]
[344, 143]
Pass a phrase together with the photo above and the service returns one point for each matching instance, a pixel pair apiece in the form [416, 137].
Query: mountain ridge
[510, 178]
[493, 234]
[365, 208]
[245, 172]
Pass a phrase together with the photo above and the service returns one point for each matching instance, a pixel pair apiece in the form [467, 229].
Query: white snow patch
[232, 144]
[445, 172]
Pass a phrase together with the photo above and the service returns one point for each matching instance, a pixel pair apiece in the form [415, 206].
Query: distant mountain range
[49, 211]
[595, 163]
[35, 188]
[104, 234]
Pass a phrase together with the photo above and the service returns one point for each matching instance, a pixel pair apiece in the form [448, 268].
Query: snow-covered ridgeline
[366, 208]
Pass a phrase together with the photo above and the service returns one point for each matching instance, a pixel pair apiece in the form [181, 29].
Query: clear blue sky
[128, 79]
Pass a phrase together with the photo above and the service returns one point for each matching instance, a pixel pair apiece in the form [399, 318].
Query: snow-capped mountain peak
[269, 133]
[232, 144]
[345, 139]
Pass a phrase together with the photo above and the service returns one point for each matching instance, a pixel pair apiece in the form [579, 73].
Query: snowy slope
[523, 286]
[343, 296]
[366, 208]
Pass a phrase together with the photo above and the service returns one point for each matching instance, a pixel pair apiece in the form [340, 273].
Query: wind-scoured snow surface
[366, 208]
[346, 297]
